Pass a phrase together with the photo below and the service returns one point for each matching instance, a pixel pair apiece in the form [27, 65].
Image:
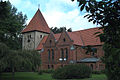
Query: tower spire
[38, 6]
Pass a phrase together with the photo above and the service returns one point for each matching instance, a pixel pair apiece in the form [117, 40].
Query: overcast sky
[57, 13]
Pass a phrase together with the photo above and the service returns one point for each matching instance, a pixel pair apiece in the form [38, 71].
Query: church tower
[34, 32]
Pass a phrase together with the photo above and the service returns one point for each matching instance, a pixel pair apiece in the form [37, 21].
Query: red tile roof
[40, 46]
[81, 37]
[89, 37]
[37, 23]
[86, 37]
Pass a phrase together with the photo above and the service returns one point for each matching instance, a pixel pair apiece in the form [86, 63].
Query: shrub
[76, 71]
[103, 71]
[96, 72]
[48, 71]
[40, 72]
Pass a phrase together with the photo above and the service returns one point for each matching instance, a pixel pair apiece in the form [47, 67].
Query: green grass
[35, 76]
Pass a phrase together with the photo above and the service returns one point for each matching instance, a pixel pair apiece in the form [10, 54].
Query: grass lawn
[35, 76]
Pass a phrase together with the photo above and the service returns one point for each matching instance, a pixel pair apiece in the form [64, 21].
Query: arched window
[62, 54]
[52, 55]
[91, 66]
[50, 41]
[52, 66]
[66, 50]
[48, 55]
[48, 66]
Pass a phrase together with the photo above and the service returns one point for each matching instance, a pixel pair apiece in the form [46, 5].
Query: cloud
[57, 13]
[57, 16]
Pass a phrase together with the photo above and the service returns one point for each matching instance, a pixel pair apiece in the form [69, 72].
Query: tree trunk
[0, 76]
[13, 73]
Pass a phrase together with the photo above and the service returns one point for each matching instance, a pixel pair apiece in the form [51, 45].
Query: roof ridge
[86, 29]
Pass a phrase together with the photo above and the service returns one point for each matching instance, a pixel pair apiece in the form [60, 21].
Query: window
[48, 66]
[52, 66]
[48, 55]
[64, 40]
[52, 55]
[93, 53]
[50, 41]
[91, 65]
[62, 54]
[30, 36]
[40, 36]
[28, 40]
[66, 50]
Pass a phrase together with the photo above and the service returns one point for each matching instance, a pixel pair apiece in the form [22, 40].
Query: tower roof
[37, 23]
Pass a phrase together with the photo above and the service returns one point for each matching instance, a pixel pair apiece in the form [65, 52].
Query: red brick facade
[61, 48]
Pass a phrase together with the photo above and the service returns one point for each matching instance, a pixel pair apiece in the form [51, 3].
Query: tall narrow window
[52, 55]
[48, 55]
[91, 66]
[48, 66]
[62, 54]
[52, 66]
[66, 50]
[50, 41]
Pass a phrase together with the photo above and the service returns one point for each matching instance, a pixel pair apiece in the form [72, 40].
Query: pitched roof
[86, 37]
[40, 46]
[82, 37]
[37, 23]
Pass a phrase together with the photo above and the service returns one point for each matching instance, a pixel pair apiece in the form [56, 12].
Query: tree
[59, 30]
[17, 60]
[4, 50]
[11, 25]
[106, 13]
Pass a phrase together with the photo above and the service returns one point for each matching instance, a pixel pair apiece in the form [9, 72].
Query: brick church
[58, 50]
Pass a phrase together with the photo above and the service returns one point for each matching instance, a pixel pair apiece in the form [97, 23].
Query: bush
[48, 71]
[40, 72]
[96, 72]
[103, 71]
[76, 71]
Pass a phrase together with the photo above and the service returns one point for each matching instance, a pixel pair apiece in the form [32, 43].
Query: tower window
[28, 40]
[30, 36]
[40, 36]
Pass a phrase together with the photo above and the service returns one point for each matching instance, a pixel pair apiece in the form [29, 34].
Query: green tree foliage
[106, 13]
[17, 60]
[59, 30]
[4, 50]
[75, 71]
[11, 25]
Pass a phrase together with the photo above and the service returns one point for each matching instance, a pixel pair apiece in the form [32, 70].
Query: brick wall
[64, 43]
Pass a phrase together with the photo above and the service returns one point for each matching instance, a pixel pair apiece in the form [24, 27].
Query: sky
[57, 13]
